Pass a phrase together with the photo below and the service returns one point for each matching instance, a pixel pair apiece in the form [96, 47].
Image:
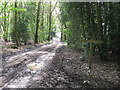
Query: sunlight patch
[34, 66]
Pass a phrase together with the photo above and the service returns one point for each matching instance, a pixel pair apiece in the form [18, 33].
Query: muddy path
[19, 69]
[56, 65]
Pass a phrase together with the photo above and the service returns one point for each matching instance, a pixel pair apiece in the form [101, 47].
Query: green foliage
[19, 21]
[23, 31]
[18, 9]
[4, 17]
[96, 21]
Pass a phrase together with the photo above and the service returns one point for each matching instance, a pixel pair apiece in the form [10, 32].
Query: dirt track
[19, 69]
[55, 65]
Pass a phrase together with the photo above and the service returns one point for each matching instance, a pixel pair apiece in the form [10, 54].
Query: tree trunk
[89, 28]
[62, 38]
[99, 22]
[37, 22]
[49, 33]
[5, 26]
[42, 22]
[15, 27]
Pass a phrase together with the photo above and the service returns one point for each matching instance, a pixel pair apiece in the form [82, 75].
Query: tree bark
[99, 22]
[49, 33]
[15, 27]
[5, 25]
[37, 22]
[42, 22]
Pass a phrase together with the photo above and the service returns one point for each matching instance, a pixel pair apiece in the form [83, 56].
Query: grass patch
[10, 46]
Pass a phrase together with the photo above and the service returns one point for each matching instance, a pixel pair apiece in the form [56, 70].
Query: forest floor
[55, 65]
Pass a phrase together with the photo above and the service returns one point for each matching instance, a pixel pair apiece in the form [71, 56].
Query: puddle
[30, 69]
[34, 66]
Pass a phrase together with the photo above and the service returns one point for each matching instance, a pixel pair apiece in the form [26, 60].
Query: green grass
[11, 46]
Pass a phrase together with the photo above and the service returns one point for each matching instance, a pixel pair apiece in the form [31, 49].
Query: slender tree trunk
[5, 25]
[37, 22]
[62, 34]
[15, 27]
[89, 29]
[99, 22]
[42, 22]
[93, 22]
[50, 18]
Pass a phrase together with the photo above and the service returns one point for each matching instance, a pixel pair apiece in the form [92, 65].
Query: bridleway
[19, 69]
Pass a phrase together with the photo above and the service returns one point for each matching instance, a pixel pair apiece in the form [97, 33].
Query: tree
[50, 13]
[89, 20]
[5, 35]
[15, 29]
[37, 22]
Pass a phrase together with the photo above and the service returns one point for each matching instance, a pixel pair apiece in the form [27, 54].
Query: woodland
[83, 36]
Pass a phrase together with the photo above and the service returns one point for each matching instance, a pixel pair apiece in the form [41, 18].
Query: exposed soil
[102, 74]
[67, 69]
[8, 51]
[13, 60]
